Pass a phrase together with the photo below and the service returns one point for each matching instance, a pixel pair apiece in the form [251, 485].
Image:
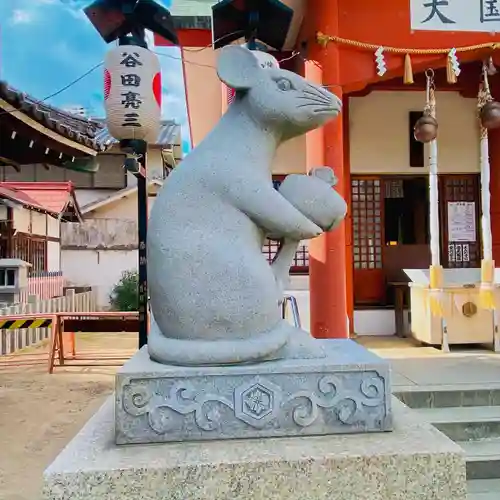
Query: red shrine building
[375, 56]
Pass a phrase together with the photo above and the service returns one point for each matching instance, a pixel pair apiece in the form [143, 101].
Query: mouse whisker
[318, 92]
[314, 99]
[325, 110]
[325, 107]
[325, 92]
[313, 93]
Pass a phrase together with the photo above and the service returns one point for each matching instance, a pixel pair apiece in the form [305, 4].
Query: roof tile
[50, 196]
[71, 126]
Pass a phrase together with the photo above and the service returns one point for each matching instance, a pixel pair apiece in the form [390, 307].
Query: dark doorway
[406, 211]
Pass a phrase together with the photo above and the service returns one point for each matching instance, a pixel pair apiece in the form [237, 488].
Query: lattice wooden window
[301, 260]
[367, 232]
[30, 249]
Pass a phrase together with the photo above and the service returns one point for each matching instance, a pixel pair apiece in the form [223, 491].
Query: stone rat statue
[214, 296]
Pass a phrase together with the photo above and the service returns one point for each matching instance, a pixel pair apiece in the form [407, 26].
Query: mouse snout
[334, 102]
[321, 102]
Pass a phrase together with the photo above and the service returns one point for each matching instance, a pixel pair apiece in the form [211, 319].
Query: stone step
[483, 459]
[483, 489]
[465, 423]
[450, 397]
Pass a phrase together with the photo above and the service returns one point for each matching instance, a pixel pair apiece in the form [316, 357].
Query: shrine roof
[72, 127]
[50, 197]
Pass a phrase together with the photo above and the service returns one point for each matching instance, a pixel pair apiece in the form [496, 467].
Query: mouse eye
[284, 84]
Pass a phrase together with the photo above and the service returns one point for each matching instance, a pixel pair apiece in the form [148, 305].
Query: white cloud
[174, 100]
[173, 107]
[33, 10]
[22, 16]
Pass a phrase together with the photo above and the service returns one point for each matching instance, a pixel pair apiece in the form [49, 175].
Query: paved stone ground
[474, 428]
[422, 367]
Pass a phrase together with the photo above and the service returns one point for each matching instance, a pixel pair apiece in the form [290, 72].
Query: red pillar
[494, 150]
[327, 253]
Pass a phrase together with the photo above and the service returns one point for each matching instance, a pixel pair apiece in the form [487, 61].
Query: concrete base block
[414, 462]
[320, 387]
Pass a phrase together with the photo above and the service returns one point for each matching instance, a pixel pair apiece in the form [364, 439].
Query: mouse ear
[237, 67]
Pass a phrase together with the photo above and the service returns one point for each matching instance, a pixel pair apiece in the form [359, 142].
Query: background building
[374, 57]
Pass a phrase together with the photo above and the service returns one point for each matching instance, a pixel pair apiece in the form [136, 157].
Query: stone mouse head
[279, 100]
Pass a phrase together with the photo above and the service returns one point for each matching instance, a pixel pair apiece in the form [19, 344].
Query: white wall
[97, 268]
[39, 223]
[22, 219]
[86, 196]
[101, 269]
[379, 132]
[125, 209]
[53, 256]
[53, 227]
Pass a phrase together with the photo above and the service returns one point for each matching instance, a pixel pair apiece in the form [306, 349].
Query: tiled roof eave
[74, 128]
[28, 194]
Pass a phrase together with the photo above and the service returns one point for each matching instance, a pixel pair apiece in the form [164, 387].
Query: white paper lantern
[132, 93]
[265, 59]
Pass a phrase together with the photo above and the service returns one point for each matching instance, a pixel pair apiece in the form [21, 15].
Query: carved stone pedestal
[322, 387]
[414, 462]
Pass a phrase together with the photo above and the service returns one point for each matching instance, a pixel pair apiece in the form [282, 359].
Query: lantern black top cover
[114, 19]
[265, 20]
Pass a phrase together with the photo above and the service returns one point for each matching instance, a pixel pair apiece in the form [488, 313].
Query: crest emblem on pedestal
[257, 402]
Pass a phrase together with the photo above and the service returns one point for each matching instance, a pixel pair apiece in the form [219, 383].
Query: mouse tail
[262, 347]
[282, 262]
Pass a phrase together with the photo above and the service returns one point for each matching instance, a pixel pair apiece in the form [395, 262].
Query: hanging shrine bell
[426, 128]
[489, 113]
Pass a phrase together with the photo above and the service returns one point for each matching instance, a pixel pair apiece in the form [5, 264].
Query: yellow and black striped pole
[23, 324]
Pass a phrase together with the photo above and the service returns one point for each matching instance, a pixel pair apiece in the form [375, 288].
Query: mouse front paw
[315, 198]
[326, 174]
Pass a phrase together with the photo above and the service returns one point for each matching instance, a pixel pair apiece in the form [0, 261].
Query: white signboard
[461, 221]
[455, 15]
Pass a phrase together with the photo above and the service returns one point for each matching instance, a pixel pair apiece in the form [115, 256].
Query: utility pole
[138, 150]
[127, 21]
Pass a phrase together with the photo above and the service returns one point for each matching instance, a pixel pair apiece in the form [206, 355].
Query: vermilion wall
[384, 23]
[203, 96]
[345, 70]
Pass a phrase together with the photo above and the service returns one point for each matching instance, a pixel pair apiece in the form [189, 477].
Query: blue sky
[46, 44]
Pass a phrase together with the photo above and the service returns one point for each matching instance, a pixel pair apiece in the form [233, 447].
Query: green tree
[124, 296]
